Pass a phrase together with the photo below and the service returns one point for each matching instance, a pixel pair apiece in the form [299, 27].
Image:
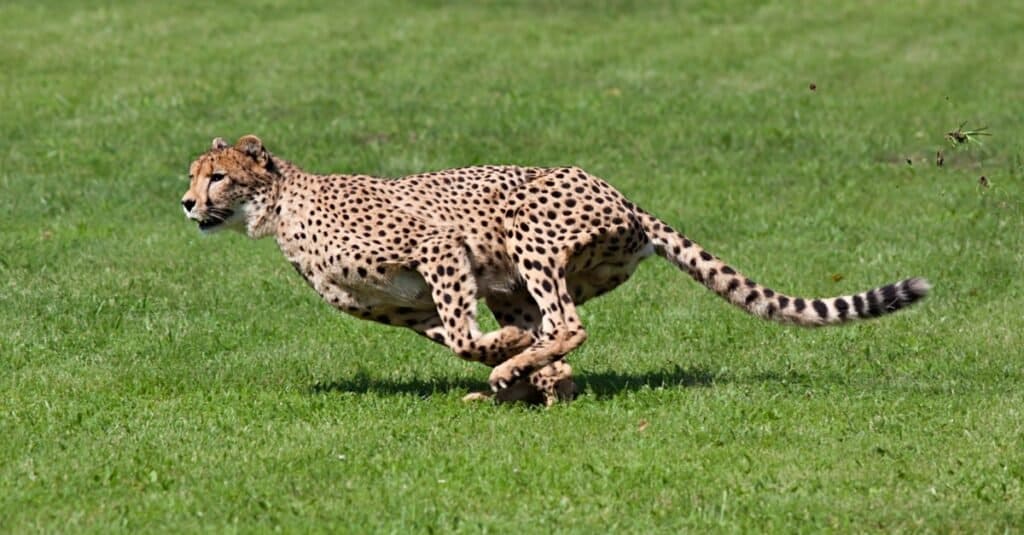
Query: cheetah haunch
[532, 242]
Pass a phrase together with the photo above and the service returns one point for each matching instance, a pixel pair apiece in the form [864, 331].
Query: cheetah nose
[188, 204]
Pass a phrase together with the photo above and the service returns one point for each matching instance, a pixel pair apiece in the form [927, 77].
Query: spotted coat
[533, 242]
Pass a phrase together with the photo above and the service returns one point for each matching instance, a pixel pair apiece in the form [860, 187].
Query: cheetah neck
[261, 211]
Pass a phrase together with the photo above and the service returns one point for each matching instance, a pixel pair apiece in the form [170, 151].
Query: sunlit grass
[152, 379]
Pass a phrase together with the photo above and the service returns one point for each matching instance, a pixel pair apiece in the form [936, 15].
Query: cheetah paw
[521, 390]
[504, 375]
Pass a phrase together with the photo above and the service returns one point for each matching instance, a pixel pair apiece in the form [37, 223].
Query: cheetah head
[230, 185]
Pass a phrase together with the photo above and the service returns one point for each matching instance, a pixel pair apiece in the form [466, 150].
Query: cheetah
[533, 243]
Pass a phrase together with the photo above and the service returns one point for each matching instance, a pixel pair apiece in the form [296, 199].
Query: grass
[152, 379]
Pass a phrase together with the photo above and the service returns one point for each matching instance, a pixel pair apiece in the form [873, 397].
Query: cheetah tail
[767, 304]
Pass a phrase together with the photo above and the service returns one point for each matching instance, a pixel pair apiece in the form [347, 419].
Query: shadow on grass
[608, 384]
[601, 385]
[363, 383]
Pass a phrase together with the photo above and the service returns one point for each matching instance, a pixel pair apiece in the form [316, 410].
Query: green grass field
[154, 379]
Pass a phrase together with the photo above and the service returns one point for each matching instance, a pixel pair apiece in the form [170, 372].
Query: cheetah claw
[504, 376]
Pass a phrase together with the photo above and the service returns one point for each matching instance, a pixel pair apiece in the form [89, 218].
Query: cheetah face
[224, 182]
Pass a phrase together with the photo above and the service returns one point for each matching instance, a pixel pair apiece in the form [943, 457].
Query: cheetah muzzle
[533, 242]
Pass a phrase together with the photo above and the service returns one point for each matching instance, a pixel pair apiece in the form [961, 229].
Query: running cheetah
[532, 242]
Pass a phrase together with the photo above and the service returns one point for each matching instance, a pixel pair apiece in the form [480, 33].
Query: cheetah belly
[494, 282]
[406, 289]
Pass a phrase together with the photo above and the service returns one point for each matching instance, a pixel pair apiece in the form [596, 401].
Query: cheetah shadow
[599, 385]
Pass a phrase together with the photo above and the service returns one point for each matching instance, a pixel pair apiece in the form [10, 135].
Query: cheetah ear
[218, 143]
[250, 145]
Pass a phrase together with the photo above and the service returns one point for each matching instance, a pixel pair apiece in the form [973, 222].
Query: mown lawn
[153, 379]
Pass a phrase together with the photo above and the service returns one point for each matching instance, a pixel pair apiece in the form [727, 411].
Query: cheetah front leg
[445, 266]
[561, 330]
[546, 385]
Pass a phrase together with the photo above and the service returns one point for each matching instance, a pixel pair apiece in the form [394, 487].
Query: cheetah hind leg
[547, 386]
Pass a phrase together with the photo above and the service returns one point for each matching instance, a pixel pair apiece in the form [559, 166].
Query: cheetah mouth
[210, 223]
[215, 220]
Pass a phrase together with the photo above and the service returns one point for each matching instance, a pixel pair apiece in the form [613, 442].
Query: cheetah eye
[216, 177]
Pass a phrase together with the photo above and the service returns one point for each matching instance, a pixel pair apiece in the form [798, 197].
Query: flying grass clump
[962, 138]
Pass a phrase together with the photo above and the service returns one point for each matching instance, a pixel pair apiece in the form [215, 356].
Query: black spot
[821, 308]
[361, 271]
[842, 307]
[750, 283]
[768, 292]
[858, 305]
[874, 309]
[728, 270]
[733, 285]
[706, 256]
[799, 304]
[783, 302]
[687, 243]
[752, 296]
[890, 297]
